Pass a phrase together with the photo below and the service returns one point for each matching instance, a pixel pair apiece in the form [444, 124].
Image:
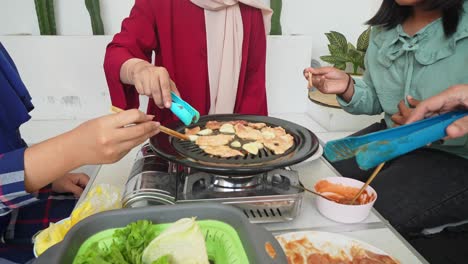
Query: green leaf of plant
[335, 50]
[333, 59]
[353, 53]
[340, 66]
[361, 62]
[337, 39]
[337, 61]
[363, 40]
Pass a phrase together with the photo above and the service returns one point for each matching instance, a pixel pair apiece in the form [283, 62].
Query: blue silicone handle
[181, 113]
[372, 154]
[185, 112]
[333, 148]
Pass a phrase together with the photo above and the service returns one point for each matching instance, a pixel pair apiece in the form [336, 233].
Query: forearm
[49, 160]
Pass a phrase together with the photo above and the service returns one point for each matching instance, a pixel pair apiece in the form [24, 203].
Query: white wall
[66, 78]
[299, 17]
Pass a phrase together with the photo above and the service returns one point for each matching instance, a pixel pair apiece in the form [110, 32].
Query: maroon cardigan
[175, 31]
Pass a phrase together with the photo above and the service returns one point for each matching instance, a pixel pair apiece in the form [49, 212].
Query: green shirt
[421, 66]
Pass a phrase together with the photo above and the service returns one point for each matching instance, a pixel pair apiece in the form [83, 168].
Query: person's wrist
[136, 67]
[73, 151]
[460, 93]
[348, 84]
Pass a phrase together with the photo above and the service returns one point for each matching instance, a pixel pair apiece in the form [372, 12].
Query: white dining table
[374, 230]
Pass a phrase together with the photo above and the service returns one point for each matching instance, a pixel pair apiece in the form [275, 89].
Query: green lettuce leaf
[162, 260]
[126, 248]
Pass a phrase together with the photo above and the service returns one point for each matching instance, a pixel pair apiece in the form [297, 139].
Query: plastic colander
[223, 245]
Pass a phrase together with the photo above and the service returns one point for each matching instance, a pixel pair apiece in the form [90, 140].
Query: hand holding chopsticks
[162, 128]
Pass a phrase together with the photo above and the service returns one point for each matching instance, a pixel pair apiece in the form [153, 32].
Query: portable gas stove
[169, 171]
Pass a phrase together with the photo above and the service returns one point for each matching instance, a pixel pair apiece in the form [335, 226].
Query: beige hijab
[224, 37]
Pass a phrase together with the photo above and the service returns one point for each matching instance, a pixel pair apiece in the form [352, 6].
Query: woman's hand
[454, 98]
[102, 140]
[329, 80]
[107, 139]
[149, 80]
[404, 111]
[71, 183]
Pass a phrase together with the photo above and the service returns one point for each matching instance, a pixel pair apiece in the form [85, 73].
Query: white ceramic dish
[344, 213]
[331, 243]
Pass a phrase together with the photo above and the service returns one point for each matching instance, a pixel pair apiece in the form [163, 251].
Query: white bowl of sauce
[342, 190]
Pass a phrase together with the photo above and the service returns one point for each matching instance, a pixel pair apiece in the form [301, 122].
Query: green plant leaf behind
[276, 5]
[46, 16]
[356, 59]
[340, 65]
[337, 62]
[351, 47]
[336, 51]
[337, 39]
[361, 62]
[94, 10]
[51, 15]
[363, 40]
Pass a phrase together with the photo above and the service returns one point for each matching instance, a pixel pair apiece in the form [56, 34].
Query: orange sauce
[270, 250]
[342, 194]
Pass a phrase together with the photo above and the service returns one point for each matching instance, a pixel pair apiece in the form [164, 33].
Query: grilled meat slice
[222, 151]
[217, 140]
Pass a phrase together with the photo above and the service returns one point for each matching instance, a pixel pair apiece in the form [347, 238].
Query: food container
[257, 244]
[345, 213]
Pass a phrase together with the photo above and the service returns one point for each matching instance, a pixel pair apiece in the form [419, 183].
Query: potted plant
[46, 16]
[344, 55]
[276, 6]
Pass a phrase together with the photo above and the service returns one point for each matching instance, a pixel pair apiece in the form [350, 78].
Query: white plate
[330, 243]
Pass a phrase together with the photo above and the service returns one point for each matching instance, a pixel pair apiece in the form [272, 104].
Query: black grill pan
[189, 154]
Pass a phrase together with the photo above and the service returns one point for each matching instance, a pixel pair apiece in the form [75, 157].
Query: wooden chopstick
[313, 192]
[163, 129]
[173, 133]
[311, 84]
[371, 178]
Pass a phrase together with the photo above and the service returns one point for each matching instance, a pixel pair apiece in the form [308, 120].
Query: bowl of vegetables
[194, 233]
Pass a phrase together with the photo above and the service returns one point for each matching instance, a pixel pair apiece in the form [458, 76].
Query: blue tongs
[372, 149]
[185, 112]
